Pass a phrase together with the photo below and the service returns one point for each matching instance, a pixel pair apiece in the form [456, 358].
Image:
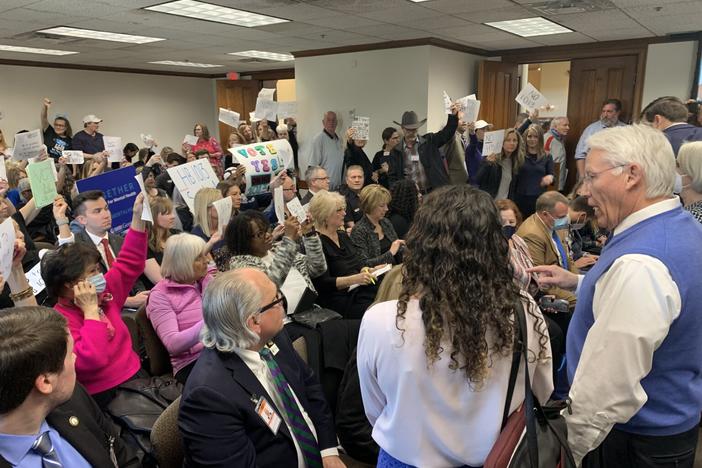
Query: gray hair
[229, 301]
[179, 255]
[323, 205]
[311, 172]
[557, 121]
[641, 145]
[547, 201]
[690, 161]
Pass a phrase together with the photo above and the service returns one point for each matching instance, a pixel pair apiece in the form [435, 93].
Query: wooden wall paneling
[498, 85]
[239, 96]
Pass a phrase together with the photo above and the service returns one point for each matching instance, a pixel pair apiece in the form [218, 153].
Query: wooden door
[239, 96]
[592, 81]
[498, 85]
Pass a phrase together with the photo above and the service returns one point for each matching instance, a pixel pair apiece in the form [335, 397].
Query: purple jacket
[175, 311]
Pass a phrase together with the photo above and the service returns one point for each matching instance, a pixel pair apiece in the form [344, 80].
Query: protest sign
[265, 109]
[191, 177]
[35, 280]
[224, 213]
[297, 210]
[252, 117]
[120, 189]
[146, 211]
[41, 179]
[470, 107]
[73, 157]
[447, 102]
[279, 204]
[28, 144]
[287, 109]
[266, 94]
[262, 161]
[113, 145]
[531, 98]
[190, 140]
[148, 140]
[492, 142]
[229, 117]
[361, 126]
[7, 247]
[3, 170]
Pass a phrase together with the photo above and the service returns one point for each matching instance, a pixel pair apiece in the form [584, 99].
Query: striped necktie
[45, 448]
[300, 430]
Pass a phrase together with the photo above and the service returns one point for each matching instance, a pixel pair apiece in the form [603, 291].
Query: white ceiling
[315, 24]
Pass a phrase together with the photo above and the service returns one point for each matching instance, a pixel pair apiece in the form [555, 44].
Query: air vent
[52, 38]
[569, 7]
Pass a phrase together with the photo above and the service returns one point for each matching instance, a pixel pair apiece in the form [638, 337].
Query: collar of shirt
[253, 361]
[97, 239]
[675, 124]
[333, 137]
[556, 135]
[648, 212]
[15, 447]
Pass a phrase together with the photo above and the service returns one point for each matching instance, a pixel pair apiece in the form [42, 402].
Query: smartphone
[551, 304]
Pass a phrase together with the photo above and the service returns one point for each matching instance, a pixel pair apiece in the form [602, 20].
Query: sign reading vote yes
[262, 161]
[191, 177]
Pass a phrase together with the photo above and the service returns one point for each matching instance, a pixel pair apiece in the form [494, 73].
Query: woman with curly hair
[434, 365]
[404, 201]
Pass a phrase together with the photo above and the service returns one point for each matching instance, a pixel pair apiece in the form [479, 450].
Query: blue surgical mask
[561, 223]
[98, 281]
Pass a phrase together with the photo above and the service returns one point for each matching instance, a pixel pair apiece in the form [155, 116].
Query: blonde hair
[203, 201]
[690, 161]
[14, 173]
[518, 156]
[540, 152]
[372, 196]
[323, 205]
[180, 253]
[158, 235]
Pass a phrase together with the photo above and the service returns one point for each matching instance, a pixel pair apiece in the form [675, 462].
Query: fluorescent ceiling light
[186, 64]
[419, 1]
[101, 35]
[32, 50]
[264, 55]
[216, 13]
[528, 27]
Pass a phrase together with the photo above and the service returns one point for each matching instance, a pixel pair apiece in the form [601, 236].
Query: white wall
[554, 85]
[129, 104]
[669, 70]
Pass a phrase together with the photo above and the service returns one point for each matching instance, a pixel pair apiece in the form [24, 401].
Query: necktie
[108, 253]
[561, 250]
[45, 448]
[301, 432]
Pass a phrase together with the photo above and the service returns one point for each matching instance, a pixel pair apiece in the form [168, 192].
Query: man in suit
[317, 179]
[45, 418]
[250, 400]
[545, 233]
[669, 115]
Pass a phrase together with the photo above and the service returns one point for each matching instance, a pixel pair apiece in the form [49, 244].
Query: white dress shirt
[634, 304]
[431, 416]
[96, 240]
[260, 369]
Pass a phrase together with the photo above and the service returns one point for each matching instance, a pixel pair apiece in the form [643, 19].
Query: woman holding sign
[209, 144]
[497, 172]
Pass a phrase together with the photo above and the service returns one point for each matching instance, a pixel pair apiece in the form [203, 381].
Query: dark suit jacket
[217, 412]
[307, 198]
[431, 158]
[93, 435]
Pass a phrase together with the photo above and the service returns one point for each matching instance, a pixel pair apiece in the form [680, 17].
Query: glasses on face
[279, 299]
[322, 178]
[590, 176]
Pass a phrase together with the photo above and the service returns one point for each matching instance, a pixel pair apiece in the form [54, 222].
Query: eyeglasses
[260, 234]
[321, 178]
[279, 298]
[590, 176]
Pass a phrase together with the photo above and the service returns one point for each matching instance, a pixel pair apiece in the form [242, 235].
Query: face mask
[98, 281]
[561, 223]
[677, 185]
[508, 231]
[579, 225]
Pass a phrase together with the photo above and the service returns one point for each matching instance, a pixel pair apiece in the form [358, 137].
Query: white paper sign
[146, 214]
[7, 247]
[113, 145]
[470, 107]
[73, 157]
[28, 144]
[229, 117]
[252, 117]
[361, 125]
[190, 140]
[224, 213]
[492, 142]
[266, 110]
[35, 280]
[266, 93]
[279, 204]
[297, 210]
[447, 103]
[191, 177]
[287, 109]
[3, 170]
[531, 98]
[148, 140]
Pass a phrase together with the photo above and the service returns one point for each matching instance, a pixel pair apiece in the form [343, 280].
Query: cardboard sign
[361, 126]
[7, 247]
[224, 213]
[287, 109]
[146, 211]
[262, 161]
[191, 177]
[28, 145]
[492, 142]
[73, 157]
[113, 145]
[229, 117]
[120, 189]
[41, 179]
[531, 98]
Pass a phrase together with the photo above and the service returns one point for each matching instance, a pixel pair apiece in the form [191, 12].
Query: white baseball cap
[91, 118]
[481, 124]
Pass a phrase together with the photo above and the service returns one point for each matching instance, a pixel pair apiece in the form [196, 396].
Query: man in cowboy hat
[423, 162]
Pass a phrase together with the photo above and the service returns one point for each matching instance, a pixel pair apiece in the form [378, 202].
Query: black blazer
[367, 244]
[217, 412]
[93, 437]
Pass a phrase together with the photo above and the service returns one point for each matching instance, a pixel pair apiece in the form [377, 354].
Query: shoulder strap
[529, 400]
[516, 356]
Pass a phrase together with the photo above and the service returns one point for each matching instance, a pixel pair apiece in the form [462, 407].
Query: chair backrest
[159, 359]
[133, 331]
[166, 441]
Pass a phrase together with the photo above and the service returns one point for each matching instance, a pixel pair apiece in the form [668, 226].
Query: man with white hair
[317, 179]
[633, 347]
[251, 400]
[328, 150]
[554, 144]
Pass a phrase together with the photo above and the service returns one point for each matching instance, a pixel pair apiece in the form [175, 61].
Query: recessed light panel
[529, 27]
[264, 55]
[32, 50]
[101, 35]
[217, 13]
[186, 64]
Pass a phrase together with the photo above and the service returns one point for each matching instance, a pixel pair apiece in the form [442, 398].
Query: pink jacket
[103, 349]
[175, 311]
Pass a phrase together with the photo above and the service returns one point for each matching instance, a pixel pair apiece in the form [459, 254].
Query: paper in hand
[531, 98]
[447, 102]
[28, 144]
[73, 157]
[492, 142]
[279, 203]
[229, 117]
[224, 212]
[146, 214]
[7, 247]
[297, 210]
[470, 107]
[361, 125]
[35, 280]
[113, 145]
[190, 140]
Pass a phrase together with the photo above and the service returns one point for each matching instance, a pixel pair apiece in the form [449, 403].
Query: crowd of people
[404, 284]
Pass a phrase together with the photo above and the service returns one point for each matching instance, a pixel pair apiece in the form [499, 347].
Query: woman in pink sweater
[207, 143]
[92, 304]
[175, 303]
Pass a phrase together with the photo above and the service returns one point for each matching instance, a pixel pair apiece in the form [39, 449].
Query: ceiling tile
[497, 14]
[343, 22]
[562, 39]
[466, 6]
[596, 20]
[298, 12]
[438, 23]
[477, 32]
[513, 43]
[397, 15]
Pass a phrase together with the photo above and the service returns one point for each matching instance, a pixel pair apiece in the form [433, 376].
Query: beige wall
[285, 90]
[554, 85]
[129, 104]
[669, 70]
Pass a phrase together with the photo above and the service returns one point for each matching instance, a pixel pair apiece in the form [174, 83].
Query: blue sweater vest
[674, 385]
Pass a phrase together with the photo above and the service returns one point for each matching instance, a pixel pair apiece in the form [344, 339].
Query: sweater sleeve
[90, 341]
[164, 318]
[283, 259]
[128, 266]
[314, 258]
[363, 240]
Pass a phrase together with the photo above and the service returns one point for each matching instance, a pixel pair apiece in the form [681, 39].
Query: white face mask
[677, 185]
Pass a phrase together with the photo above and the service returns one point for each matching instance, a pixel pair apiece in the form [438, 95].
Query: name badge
[268, 415]
[414, 157]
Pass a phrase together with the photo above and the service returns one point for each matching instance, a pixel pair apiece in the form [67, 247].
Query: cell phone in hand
[551, 304]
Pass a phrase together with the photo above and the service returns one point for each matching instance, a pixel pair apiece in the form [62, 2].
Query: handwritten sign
[224, 212]
[35, 280]
[113, 145]
[266, 94]
[3, 170]
[492, 142]
[41, 179]
[279, 203]
[297, 210]
[287, 109]
[531, 98]
[146, 212]
[28, 144]
[191, 177]
[120, 189]
[470, 107]
[447, 102]
[262, 161]
[148, 140]
[252, 117]
[229, 117]
[266, 110]
[190, 140]
[73, 157]
[7, 247]
[361, 126]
